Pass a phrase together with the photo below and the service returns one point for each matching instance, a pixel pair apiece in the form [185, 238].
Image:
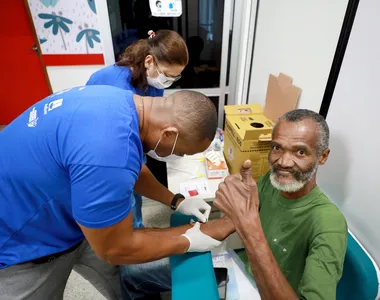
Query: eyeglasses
[168, 79]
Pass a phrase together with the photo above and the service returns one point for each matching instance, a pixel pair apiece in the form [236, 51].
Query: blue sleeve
[92, 80]
[152, 92]
[101, 196]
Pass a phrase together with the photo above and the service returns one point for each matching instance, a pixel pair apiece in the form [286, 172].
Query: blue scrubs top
[120, 77]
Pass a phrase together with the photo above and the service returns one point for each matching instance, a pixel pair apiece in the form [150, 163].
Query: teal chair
[193, 274]
[360, 279]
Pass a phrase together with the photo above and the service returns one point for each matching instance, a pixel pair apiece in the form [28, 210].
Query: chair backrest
[360, 279]
[193, 274]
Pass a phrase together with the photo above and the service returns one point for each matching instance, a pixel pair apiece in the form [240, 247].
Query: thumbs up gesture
[237, 196]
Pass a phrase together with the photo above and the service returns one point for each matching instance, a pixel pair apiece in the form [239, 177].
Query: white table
[247, 288]
[187, 169]
[191, 168]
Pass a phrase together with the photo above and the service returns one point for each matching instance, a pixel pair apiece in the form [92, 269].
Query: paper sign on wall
[166, 8]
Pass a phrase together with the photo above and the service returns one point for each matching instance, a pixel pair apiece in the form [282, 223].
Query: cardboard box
[248, 109]
[216, 170]
[248, 128]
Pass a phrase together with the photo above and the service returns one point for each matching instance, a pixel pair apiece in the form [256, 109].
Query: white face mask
[161, 82]
[170, 157]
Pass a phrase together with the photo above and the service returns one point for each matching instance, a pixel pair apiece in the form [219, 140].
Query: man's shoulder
[327, 216]
[107, 99]
[103, 127]
[109, 109]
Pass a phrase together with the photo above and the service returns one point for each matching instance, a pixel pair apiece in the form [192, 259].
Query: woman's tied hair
[151, 34]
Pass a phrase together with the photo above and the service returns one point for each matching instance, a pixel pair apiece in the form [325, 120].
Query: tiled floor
[154, 215]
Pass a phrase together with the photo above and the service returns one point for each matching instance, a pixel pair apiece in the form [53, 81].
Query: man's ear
[148, 61]
[169, 132]
[324, 156]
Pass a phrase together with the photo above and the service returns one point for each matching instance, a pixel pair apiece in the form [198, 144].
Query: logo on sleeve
[52, 105]
[33, 118]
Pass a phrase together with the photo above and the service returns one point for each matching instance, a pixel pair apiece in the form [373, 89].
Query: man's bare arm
[120, 244]
[148, 186]
[270, 280]
[218, 229]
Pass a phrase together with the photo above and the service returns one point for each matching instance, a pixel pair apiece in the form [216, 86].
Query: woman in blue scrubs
[146, 68]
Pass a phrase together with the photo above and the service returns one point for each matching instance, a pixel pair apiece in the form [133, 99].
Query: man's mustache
[297, 174]
[276, 168]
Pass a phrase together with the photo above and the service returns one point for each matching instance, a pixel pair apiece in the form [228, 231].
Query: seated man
[295, 237]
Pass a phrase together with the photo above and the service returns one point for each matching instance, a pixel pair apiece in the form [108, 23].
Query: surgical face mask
[162, 81]
[170, 157]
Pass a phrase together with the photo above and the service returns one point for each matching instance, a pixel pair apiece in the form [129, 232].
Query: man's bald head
[182, 124]
[194, 114]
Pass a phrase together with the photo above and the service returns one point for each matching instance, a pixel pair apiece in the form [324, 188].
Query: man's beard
[298, 182]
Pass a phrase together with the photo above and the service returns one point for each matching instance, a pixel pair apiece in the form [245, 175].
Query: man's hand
[237, 196]
[195, 207]
[199, 242]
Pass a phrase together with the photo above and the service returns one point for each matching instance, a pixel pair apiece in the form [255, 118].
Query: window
[201, 26]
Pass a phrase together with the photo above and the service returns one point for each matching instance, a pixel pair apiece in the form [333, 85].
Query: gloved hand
[195, 207]
[199, 242]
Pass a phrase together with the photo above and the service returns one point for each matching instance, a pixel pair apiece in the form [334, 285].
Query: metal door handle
[35, 49]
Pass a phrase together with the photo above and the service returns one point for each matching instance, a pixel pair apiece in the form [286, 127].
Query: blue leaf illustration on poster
[58, 24]
[90, 34]
[42, 40]
[48, 3]
[92, 5]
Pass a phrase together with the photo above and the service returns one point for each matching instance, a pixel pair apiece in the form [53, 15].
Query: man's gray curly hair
[298, 115]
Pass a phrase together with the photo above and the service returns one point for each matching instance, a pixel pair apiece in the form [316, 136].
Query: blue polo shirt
[120, 77]
[72, 157]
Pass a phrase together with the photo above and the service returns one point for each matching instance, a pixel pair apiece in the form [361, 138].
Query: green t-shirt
[308, 238]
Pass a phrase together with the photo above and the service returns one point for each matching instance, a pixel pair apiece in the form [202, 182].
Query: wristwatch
[173, 204]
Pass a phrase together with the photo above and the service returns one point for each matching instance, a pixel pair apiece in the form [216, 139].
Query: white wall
[351, 175]
[69, 76]
[105, 31]
[297, 38]
[63, 77]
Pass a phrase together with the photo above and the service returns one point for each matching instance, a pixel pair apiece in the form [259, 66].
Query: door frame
[239, 17]
[37, 52]
[37, 43]
[223, 89]
[242, 50]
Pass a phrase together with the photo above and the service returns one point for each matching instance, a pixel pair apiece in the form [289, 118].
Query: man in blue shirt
[68, 168]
